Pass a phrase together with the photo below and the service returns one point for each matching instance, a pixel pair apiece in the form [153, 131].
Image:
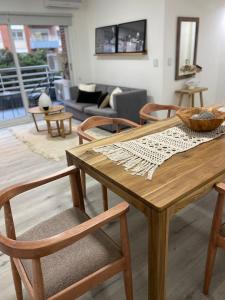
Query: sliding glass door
[33, 57]
[12, 104]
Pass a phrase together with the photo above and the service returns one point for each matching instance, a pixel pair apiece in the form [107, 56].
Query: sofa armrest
[128, 104]
[74, 93]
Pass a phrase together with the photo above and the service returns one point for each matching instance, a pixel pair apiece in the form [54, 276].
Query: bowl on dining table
[201, 119]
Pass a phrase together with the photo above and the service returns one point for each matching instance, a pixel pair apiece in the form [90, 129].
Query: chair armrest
[44, 247]
[128, 104]
[220, 188]
[149, 117]
[120, 121]
[14, 190]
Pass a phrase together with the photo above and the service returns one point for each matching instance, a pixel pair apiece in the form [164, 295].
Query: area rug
[51, 148]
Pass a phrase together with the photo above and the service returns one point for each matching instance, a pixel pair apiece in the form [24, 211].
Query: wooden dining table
[179, 181]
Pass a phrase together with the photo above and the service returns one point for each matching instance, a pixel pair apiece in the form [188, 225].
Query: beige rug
[51, 148]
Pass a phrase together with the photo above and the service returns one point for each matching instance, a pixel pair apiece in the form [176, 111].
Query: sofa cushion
[103, 101]
[77, 106]
[106, 112]
[87, 87]
[88, 97]
[74, 262]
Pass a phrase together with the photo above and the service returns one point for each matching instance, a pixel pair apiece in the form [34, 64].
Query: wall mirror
[186, 49]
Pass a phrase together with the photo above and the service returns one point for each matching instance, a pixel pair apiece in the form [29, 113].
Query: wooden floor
[189, 231]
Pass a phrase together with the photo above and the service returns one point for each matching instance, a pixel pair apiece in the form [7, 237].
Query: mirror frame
[179, 22]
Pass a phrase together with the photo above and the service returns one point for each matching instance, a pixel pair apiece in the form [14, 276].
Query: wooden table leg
[70, 125]
[190, 100]
[62, 131]
[180, 99]
[193, 100]
[58, 128]
[158, 251]
[201, 99]
[49, 127]
[35, 122]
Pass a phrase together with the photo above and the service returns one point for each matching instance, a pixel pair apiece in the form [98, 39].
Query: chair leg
[212, 248]
[83, 183]
[17, 281]
[127, 273]
[105, 198]
[127, 277]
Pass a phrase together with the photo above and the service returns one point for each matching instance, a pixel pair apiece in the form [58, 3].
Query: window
[41, 34]
[18, 35]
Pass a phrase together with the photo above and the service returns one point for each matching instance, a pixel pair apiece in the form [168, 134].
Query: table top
[192, 91]
[52, 109]
[59, 116]
[175, 179]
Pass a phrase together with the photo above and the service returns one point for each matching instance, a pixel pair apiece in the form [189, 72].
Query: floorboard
[189, 230]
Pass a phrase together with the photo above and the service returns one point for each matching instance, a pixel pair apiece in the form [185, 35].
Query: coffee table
[37, 111]
[59, 118]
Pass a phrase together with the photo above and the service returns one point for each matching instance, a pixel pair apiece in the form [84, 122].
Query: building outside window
[40, 34]
[18, 35]
[1, 41]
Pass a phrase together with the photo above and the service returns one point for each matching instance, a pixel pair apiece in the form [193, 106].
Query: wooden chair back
[35, 250]
[146, 111]
[97, 121]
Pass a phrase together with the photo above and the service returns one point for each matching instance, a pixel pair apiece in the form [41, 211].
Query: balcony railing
[44, 44]
[37, 77]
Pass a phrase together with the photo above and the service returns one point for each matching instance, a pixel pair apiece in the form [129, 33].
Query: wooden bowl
[185, 115]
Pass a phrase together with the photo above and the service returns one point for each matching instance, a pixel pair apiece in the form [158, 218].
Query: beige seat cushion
[73, 263]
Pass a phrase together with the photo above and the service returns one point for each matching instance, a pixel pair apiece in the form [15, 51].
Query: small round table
[37, 111]
[59, 119]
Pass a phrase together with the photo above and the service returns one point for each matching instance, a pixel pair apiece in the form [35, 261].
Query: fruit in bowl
[201, 119]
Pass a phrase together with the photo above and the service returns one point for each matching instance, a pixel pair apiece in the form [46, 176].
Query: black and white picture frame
[106, 39]
[131, 37]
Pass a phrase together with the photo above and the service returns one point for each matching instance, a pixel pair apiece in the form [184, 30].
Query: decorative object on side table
[194, 82]
[201, 119]
[44, 101]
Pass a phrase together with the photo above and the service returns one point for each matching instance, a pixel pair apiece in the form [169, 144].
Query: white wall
[211, 46]
[128, 71]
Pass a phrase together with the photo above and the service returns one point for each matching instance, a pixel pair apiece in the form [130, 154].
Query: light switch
[169, 62]
[155, 62]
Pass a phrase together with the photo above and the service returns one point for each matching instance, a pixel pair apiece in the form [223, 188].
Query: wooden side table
[59, 118]
[190, 93]
[37, 111]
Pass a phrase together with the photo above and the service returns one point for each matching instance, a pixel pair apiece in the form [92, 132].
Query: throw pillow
[114, 92]
[88, 97]
[103, 101]
[87, 87]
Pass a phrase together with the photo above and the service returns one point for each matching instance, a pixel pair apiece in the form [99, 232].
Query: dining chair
[145, 113]
[217, 237]
[68, 254]
[93, 122]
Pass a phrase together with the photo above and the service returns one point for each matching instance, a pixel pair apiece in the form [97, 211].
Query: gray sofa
[127, 104]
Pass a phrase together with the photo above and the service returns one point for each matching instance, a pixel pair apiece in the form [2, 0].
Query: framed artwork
[106, 39]
[131, 37]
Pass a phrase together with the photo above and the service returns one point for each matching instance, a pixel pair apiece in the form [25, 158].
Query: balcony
[35, 78]
[44, 44]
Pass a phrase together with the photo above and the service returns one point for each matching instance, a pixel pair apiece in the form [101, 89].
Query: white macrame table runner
[144, 155]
